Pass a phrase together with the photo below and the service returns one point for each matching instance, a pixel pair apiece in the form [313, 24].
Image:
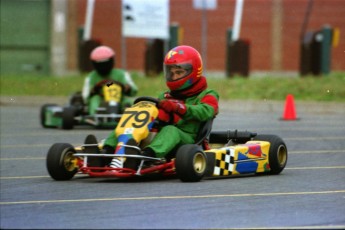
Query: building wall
[25, 37]
[257, 27]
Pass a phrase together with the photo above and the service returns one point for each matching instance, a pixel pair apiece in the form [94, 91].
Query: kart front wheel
[278, 153]
[68, 114]
[61, 163]
[190, 163]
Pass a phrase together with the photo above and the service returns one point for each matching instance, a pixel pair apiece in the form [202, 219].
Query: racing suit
[200, 108]
[119, 75]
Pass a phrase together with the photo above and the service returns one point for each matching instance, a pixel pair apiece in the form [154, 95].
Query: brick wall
[257, 27]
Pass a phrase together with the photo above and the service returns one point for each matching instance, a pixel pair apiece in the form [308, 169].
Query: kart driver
[103, 60]
[185, 106]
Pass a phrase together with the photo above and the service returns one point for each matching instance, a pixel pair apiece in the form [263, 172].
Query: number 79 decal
[138, 118]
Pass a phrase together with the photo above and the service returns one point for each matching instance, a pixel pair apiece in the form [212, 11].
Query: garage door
[25, 40]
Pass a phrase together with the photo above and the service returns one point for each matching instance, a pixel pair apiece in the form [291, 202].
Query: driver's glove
[97, 88]
[170, 118]
[126, 89]
[173, 106]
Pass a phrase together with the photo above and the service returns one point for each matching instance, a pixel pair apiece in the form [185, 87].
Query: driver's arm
[86, 89]
[130, 87]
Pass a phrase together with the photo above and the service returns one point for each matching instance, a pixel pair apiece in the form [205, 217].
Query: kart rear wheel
[68, 114]
[76, 100]
[43, 115]
[61, 163]
[190, 163]
[278, 153]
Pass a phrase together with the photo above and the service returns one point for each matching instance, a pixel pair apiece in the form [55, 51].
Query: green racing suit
[119, 75]
[200, 108]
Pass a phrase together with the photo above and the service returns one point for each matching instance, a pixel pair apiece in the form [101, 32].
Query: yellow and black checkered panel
[224, 164]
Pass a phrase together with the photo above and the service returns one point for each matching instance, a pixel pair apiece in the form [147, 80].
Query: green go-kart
[76, 113]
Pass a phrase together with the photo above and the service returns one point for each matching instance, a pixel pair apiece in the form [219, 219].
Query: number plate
[137, 120]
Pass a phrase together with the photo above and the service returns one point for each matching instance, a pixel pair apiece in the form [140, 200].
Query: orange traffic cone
[289, 111]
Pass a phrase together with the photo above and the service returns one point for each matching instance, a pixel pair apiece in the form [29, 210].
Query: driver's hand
[101, 83]
[163, 116]
[170, 118]
[97, 88]
[126, 88]
[173, 106]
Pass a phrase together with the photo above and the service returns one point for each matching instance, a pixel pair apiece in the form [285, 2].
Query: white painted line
[170, 197]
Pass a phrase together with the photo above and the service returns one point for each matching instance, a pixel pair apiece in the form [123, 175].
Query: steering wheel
[146, 98]
[110, 82]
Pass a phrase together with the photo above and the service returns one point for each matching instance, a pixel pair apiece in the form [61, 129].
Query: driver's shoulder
[118, 72]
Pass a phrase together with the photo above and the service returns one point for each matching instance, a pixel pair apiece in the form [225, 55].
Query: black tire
[190, 163]
[43, 115]
[131, 163]
[278, 153]
[91, 140]
[68, 114]
[61, 164]
[76, 100]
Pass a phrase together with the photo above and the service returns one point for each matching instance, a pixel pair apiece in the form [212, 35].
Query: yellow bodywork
[251, 157]
[136, 121]
[112, 92]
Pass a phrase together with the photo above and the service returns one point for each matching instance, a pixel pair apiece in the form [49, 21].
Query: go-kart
[214, 154]
[76, 112]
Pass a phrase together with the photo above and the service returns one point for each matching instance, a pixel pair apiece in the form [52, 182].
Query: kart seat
[204, 133]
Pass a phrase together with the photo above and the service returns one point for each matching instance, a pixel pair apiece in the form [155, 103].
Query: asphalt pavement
[308, 194]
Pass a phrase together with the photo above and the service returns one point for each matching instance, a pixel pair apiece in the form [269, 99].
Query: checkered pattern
[224, 162]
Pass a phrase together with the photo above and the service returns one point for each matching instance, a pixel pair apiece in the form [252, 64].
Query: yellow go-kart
[214, 154]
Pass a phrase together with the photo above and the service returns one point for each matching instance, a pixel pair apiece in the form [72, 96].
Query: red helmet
[189, 59]
[102, 59]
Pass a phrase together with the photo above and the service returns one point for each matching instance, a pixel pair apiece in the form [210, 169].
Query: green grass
[312, 88]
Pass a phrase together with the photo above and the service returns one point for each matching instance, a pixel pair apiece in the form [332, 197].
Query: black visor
[103, 68]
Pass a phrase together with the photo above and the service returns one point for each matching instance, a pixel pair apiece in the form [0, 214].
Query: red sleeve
[212, 101]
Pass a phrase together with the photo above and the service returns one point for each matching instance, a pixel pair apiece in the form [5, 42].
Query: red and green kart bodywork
[215, 153]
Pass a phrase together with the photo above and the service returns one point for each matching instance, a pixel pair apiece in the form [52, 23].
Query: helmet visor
[104, 68]
[176, 72]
